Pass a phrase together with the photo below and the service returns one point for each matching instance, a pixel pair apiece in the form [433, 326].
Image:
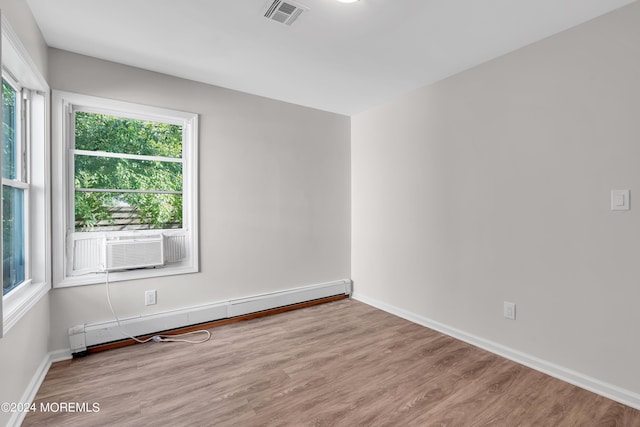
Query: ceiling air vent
[284, 12]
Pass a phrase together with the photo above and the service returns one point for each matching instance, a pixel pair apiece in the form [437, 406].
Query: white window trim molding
[62, 104]
[19, 301]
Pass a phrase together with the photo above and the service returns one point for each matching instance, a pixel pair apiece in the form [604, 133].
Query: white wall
[25, 346]
[274, 194]
[494, 185]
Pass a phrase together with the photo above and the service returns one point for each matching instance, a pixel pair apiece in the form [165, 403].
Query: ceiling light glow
[348, 1]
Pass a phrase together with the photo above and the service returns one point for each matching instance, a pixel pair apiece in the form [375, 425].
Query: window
[25, 211]
[15, 188]
[125, 172]
[128, 173]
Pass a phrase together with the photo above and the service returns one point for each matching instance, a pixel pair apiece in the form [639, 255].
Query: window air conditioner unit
[134, 252]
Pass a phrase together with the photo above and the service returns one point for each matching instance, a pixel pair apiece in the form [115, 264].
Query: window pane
[99, 132]
[116, 211]
[127, 174]
[9, 126]
[13, 267]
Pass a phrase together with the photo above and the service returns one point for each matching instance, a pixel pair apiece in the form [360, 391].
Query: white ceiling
[337, 57]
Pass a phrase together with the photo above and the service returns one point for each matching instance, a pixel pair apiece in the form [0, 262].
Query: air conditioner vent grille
[284, 12]
[133, 253]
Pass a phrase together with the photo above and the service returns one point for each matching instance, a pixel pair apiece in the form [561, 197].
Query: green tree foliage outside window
[9, 97]
[147, 194]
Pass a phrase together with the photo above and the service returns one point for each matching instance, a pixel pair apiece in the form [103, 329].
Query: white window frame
[64, 106]
[21, 72]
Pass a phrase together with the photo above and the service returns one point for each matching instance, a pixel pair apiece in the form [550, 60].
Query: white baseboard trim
[610, 391]
[36, 381]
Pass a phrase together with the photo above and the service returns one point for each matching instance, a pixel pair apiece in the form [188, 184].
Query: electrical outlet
[150, 297]
[510, 310]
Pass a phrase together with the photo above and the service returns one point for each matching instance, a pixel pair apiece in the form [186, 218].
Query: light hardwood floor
[337, 364]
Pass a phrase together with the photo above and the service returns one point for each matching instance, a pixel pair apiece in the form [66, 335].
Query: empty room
[320, 213]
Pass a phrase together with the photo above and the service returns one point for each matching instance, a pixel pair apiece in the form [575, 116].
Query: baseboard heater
[88, 335]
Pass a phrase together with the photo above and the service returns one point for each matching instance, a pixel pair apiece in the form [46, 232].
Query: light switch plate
[510, 310]
[620, 200]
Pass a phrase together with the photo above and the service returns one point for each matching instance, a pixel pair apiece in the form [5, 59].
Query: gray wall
[25, 346]
[274, 194]
[22, 350]
[494, 185]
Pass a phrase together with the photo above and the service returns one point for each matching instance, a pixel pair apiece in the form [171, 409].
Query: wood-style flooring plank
[338, 364]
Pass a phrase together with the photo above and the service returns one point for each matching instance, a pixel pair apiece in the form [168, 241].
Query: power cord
[157, 338]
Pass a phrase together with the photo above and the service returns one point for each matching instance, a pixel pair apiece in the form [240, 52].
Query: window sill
[18, 303]
[119, 276]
